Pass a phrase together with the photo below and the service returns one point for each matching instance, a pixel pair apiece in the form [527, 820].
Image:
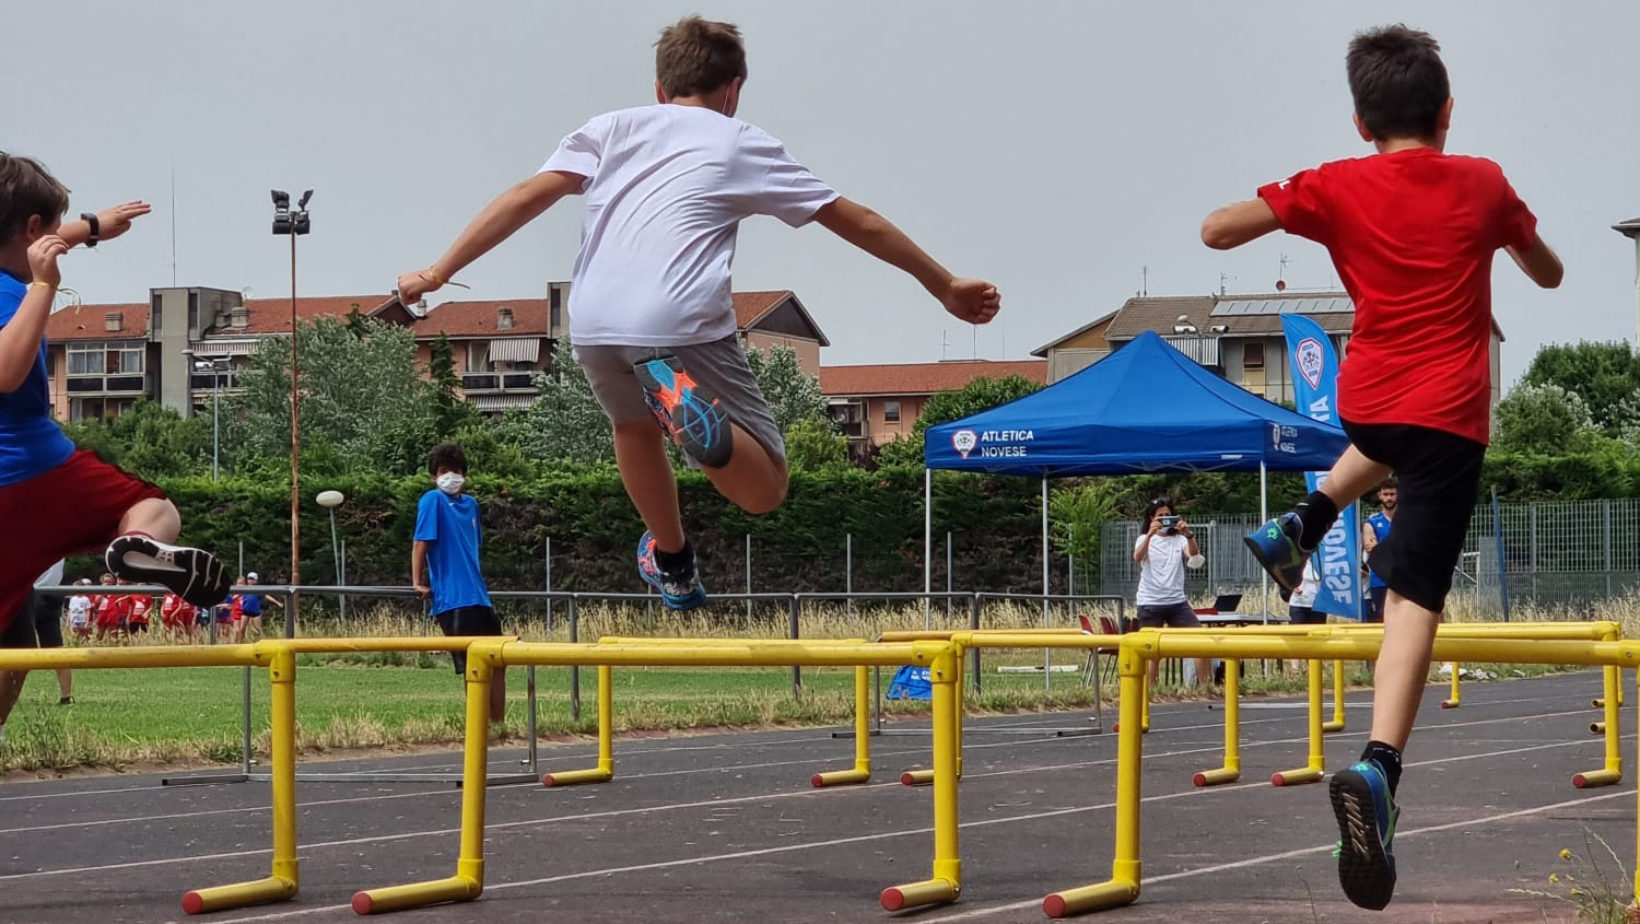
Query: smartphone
[1169, 524]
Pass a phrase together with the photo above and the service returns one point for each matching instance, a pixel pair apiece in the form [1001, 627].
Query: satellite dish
[246, 293]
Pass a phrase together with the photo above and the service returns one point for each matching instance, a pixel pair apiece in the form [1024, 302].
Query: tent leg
[928, 543]
[1047, 619]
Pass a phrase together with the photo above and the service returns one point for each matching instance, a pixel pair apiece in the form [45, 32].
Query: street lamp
[292, 222]
[201, 365]
[330, 500]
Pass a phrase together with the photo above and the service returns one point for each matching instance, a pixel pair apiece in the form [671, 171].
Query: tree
[364, 404]
[453, 414]
[1077, 512]
[793, 395]
[150, 441]
[565, 424]
[1604, 375]
[981, 394]
[1544, 419]
[813, 444]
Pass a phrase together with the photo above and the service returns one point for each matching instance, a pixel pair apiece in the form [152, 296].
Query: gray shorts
[1170, 615]
[720, 368]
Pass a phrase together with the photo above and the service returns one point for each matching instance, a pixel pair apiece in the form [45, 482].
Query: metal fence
[1554, 554]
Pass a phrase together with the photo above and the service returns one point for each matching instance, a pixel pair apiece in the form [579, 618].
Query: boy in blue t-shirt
[56, 499]
[444, 562]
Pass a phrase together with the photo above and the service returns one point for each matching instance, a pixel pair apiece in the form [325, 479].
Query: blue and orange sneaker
[1366, 827]
[686, 411]
[679, 590]
[1275, 546]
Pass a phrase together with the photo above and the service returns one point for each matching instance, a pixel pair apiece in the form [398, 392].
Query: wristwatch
[90, 218]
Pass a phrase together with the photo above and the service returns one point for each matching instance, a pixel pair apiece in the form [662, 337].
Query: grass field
[122, 718]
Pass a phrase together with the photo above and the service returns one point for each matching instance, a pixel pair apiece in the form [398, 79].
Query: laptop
[1227, 603]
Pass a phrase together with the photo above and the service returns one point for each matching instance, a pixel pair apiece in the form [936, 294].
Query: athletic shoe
[1366, 815]
[680, 590]
[1275, 546]
[66, 701]
[192, 574]
[688, 413]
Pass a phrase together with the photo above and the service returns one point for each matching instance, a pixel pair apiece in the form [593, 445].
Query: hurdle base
[577, 777]
[1596, 778]
[841, 777]
[417, 895]
[1116, 727]
[239, 895]
[923, 777]
[1451, 703]
[205, 780]
[1328, 728]
[1216, 777]
[1295, 777]
[1101, 897]
[1597, 728]
[916, 894]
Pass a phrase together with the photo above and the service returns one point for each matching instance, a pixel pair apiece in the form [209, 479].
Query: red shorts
[72, 509]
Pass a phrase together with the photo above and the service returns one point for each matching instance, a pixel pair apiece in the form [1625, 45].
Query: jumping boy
[1412, 232]
[444, 562]
[64, 500]
[666, 188]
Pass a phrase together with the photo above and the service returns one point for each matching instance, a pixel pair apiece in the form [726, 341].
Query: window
[193, 313]
[85, 359]
[891, 412]
[156, 314]
[478, 356]
[85, 408]
[1252, 355]
[556, 319]
[97, 358]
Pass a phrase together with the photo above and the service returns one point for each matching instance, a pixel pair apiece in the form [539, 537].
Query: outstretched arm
[1539, 263]
[1239, 223]
[500, 220]
[973, 300]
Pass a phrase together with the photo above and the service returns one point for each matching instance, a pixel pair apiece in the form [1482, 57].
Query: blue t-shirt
[1380, 528]
[31, 443]
[449, 526]
[250, 605]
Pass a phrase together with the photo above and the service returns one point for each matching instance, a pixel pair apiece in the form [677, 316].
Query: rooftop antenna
[1281, 274]
[1144, 281]
[945, 345]
[173, 221]
[1223, 279]
[974, 328]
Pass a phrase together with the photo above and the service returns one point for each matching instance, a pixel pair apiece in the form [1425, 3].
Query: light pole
[330, 500]
[292, 222]
[200, 365]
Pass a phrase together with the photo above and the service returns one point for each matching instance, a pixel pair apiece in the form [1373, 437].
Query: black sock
[678, 562]
[1388, 758]
[1317, 513]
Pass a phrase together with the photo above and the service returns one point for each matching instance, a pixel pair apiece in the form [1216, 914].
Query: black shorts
[43, 627]
[1305, 616]
[1175, 615]
[467, 620]
[1439, 475]
[1375, 603]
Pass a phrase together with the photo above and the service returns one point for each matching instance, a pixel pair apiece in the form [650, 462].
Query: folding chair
[1107, 626]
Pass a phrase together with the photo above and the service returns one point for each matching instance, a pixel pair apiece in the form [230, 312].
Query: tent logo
[964, 441]
[1311, 361]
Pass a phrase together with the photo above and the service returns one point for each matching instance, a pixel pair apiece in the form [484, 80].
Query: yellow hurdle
[942, 658]
[1509, 646]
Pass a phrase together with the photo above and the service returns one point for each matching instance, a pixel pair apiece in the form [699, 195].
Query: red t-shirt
[1413, 234]
[136, 608]
[108, 610]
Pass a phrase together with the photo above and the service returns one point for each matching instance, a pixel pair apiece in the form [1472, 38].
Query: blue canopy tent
[1145, 408]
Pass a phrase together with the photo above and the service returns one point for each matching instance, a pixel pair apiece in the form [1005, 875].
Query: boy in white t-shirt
[79, 611]
[651, 318]
[1165, 544]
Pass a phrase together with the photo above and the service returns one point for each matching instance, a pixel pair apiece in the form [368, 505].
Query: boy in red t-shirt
[136, 613]
[107, 610]
[1412, 232]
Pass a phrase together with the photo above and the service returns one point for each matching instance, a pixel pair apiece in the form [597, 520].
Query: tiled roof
[1044, 348]
[479, 319]
[87, 322]
[272, 315]
[750, 306]
[922, 378]
[1160, 314]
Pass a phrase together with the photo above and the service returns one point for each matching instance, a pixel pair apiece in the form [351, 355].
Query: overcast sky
[1053, 147]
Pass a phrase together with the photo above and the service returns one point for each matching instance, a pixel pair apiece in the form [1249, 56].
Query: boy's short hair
[446, 456]
[1398, 81]
[696, 56]
[27, 188]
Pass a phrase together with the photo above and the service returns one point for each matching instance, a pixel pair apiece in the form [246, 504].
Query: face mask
[450, 483]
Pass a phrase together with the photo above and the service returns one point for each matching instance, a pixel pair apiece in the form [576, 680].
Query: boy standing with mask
[445, 553]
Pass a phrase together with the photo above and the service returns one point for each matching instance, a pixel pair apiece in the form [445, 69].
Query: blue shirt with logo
[449, 526]
[250, 605]
[31, 443]
[1380, 528]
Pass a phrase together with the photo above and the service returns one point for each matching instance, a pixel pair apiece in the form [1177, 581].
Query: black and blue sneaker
[1275, 546]
[687, 412]
[680, 590]
[1366, 826]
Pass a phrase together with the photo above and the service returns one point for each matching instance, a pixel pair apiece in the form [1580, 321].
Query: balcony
[482, 382]
[107, 385]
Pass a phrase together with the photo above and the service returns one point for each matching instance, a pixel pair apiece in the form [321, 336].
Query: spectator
[176, 616]
[41, 627]
[135, 613]
[250, 609]
[79, 611]
[1374, 531]
[1164, 545]
[227, 618]
[1300, 609]
[107, 609]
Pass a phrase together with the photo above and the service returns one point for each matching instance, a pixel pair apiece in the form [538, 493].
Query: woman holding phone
[1165, 545]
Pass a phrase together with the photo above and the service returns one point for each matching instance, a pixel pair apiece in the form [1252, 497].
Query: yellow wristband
[435, 277]
[44, 285]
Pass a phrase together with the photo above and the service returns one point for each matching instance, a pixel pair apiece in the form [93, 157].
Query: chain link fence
[1554, 555]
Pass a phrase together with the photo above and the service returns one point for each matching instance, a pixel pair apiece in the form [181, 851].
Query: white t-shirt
[1308, 586]
[79, 610]
[1161, 574]
[666, 189]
